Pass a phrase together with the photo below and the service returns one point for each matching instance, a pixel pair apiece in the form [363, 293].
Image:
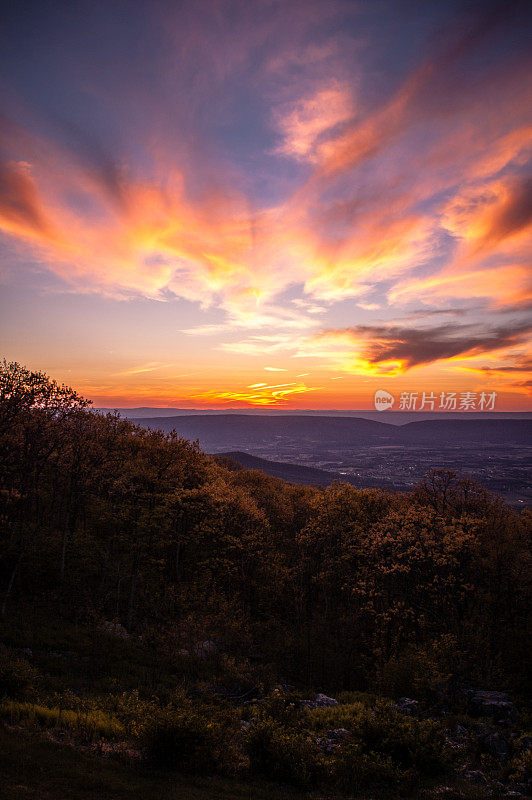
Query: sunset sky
[273, 203]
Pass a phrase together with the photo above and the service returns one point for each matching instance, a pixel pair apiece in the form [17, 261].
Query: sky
[268, 203]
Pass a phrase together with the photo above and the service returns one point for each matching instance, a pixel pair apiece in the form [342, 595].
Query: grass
[33, 769]
[93, 724]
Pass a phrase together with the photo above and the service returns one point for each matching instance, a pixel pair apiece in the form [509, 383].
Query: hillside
[298, 473]
[441, 431]
[231, 431]
[280, 469]
[165, 613]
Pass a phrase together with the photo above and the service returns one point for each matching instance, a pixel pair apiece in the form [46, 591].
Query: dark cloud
[415, 346]
[519, 365]
[427, 313]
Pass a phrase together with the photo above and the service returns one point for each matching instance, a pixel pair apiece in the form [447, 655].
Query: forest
[171, 614]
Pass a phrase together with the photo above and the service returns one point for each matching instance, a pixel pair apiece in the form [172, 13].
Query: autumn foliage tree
[335, 588]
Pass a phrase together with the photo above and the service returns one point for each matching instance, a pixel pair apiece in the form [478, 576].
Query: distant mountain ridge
[393, 417]
[239, 431]
[493, 431]
[230, 432]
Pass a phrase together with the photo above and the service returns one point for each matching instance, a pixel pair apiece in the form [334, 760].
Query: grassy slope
[34, 769]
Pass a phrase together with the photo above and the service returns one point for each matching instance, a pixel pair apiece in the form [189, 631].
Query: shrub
[341, 716]
[284, 755]
[381, 731]
[409, 742]
[133, 711]
[352, 697]
[520, 767]
[186, 741]
[17, 676]
[421, 671]
[282, 706]
[354, 771]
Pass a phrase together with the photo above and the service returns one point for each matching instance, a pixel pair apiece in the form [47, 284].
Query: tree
[30, 405]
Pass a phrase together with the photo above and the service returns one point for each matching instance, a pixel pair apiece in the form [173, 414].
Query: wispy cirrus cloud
[506, 285]
[153, 366]
[306, 124]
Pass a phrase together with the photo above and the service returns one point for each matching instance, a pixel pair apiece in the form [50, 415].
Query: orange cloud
[381, 246]
[490, 220]
[155, 238]
[492, 215]
[21, 210]
[502, 286]
[261, 396]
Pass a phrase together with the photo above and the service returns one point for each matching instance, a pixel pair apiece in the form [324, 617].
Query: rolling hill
[229, 432]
